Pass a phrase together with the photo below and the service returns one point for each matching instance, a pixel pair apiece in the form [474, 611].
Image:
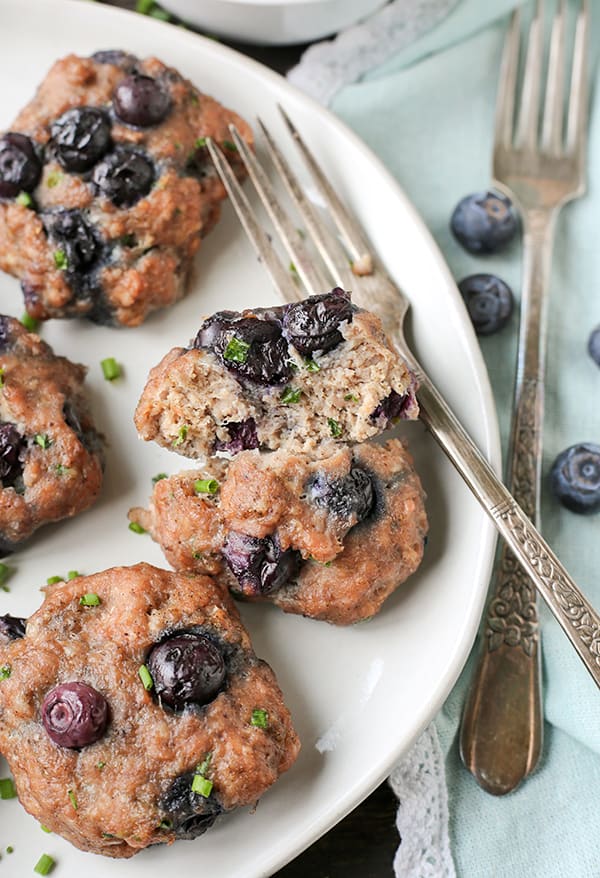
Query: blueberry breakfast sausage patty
[294, 376]
[106, 188]
[50, 453]
[134, 711]
[328, 538]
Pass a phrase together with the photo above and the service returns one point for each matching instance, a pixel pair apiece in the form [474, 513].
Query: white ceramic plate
[359, 696]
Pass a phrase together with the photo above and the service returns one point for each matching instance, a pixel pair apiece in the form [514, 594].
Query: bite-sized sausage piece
[106, 187]
[139, 716]
[327, 537]
[51, 455]
[294, 377]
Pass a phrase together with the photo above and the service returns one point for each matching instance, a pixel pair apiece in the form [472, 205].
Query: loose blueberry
[124, 176]
[116, 57]
[313, 325]
[189, 813]
[20, 168]
[489, 302]
[348, 498]
[80, 137]
[141, 101]
[11, 446]
[252, 347]
[11, 628]
[74, 715]
[594, 345]
[393, 406]
[575, 477]
[259, 565]
[74, 237]
[187, 668]
[484, 222]
[243, 436]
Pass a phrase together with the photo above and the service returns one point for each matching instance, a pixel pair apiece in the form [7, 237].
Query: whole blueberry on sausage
[489, 302]
[11, 446]
[575, 477]
[74, 714]
[250, 346]
[186, 668]
[350, 497]
[74, 237]
[484, 222]
[313, 325]
[141, 101]
[188, 813]
[259, 565]
[80, 137]
[20, 167]
[11, 628]
[115, 56]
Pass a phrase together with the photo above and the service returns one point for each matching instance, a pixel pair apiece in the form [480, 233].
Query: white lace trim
[419, 781]
[327, 66]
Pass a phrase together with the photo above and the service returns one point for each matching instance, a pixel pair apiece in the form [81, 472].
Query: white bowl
[272, 22]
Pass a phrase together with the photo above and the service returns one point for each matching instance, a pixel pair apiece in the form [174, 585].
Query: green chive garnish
[165, 824]
[136, 528]
[7, 788]
[52, 580]
[73, 574]
[291, 395]
[181, 436]
[199, 142]
[128, 240]
[335, 428]
[100, 765]
[72, 798]
[159, 477]
[44, 865]
[259, 718]
[293, 269]
[5, 573]
[60, 260]
[24, 199]
[144, 6]
[202, 786]
[311, 366]
[236, 350]
[206, 486]
[146, 677]
[45, 829]
[43, 440]
[228, 144]
[160, 14]
[53, 179]
[30, 323]
[1, 377]
[350, 396]
[110, 369]
[89, 599]
[9, 848]
[5, 672]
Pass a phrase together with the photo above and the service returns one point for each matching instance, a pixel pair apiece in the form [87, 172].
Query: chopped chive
[44, 865]
[136, 528]
[64, 470]
[5, 573]
[196, 555]
[165, 824]
[110, 368]
[335, 428]
[128, 240]
[199, 142]
[293, 269]
[60, 260]
[291, 395]
[43, 440]
[228, 144]
[29, 322]
[89, 599]
[7, 788]
[259, 718]
[108, 835]
[52, 580]
[160, 14]
[145, 677]
[72, 798]
[202, 785]
[181, 436]
[73, 574]
[5, 672]
[311, 366]
[53, 179]
[144, 6]
[203, 766]
[24, 199]
[206, 486]
[1, 377]
[350, 396]
[45, 829]
[100, 765]
[236, 350]
[159, 477]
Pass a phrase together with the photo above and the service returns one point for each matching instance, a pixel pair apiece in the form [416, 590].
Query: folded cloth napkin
[428, 112]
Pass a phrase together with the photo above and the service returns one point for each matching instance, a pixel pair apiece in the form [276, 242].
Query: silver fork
[501, 734]
[373, 289]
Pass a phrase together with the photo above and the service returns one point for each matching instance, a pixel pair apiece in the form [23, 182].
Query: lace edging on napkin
[327, 66]
[419, 782]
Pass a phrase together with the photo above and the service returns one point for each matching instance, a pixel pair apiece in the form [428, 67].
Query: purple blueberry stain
[259, 565]
[74, 715]
[242, 437]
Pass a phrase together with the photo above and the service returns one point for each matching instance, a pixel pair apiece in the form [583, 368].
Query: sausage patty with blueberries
[51, 456]
[106, 187]
[133, 710]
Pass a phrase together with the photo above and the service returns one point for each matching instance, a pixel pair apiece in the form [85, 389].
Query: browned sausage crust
[81, 243]
[328, 538]
[50, 452]
[133, 786]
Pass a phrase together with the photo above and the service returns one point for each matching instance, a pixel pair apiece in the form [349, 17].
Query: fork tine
[312, 277]
[576, 122]
[552, 129]
[328, 246]
[505, 101]
[527, 124]
[266, 253]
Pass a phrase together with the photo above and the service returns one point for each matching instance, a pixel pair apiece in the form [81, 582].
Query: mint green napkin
[428, 113]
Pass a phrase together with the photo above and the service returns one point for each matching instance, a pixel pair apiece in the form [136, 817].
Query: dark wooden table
[363, 844]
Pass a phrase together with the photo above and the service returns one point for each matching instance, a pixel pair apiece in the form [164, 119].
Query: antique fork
[501, 734]
[373, 289]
